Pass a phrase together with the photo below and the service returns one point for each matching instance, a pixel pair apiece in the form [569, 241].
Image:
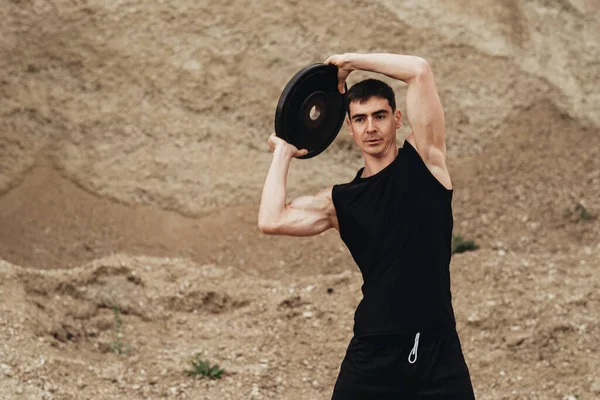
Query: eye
[380, 117]
[359, 120]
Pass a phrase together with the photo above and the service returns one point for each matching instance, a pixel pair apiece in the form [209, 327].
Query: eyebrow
[378, 112]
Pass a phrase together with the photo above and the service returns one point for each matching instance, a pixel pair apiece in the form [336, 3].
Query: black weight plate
[311, 110]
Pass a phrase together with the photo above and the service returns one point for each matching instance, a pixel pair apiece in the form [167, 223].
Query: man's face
[373, 125]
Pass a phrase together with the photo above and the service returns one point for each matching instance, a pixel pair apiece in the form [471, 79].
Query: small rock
[49, 387]
[255, 393]
[80, 383]
[307, 314]
[192, 65]
[595, 386]
[516, 338]
[475, 319]
[498, 246]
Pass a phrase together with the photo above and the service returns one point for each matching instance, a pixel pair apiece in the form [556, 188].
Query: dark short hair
[364, 90]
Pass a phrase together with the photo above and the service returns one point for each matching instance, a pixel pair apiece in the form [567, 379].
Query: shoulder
[326, 193]
[324, 200]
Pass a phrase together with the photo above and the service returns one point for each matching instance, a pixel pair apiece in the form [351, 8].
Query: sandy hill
[132, 155]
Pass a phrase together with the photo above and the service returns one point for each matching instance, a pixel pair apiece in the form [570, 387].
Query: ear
[398, 117]
[349, 126]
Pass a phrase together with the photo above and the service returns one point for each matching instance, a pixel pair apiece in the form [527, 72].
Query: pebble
[255, 393]
[49, 387]
[516, 338]
[595, 387]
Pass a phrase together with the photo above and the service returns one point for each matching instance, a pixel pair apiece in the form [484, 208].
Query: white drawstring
[412, 357]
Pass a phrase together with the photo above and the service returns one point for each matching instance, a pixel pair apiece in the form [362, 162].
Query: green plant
[203, 368]
[117, 345]
[460, 245]
[582, 213]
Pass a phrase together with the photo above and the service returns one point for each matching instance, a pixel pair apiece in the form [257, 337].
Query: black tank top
[397, 225]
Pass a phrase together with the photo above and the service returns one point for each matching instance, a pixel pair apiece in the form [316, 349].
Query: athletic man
[395, 217]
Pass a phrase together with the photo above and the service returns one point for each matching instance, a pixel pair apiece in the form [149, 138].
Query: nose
[370, 126]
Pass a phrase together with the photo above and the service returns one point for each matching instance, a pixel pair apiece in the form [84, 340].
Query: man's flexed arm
[306, 215]
[423, 107]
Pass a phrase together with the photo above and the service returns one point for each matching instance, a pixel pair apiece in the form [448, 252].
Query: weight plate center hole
[315, 113]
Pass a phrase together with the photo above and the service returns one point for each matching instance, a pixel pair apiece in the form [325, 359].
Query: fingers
[335, 59]
[331, 60]
[275, 141]
[338, 61]
[272, 141]
[342, 75]
[300, 153]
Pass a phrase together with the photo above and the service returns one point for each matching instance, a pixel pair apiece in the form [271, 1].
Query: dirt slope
[132, 155]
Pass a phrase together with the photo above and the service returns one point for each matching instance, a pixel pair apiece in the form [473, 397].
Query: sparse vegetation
[203, 368]
[460, 245]
[117, 345]
[578, 213]
[582, 213]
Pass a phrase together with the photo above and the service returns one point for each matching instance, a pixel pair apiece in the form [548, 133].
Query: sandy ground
[132, 155]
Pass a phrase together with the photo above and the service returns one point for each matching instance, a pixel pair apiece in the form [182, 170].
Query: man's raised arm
[423, 107]
[306, 215]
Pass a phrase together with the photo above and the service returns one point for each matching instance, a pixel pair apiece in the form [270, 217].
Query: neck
[376, 163]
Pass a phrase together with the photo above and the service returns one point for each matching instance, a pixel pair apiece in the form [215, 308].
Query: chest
[379, 210]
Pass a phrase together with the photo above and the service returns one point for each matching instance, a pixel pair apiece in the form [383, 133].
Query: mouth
[373, 141]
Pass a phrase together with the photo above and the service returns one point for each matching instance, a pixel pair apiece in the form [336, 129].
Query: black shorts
[428, 366]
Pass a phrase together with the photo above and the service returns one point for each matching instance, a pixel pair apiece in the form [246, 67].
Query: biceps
[306, 216]
[302, 222]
